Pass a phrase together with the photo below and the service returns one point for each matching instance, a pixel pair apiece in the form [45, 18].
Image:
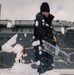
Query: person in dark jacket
[43, 31]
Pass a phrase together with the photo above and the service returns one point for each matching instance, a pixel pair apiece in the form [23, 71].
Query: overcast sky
[27, 9]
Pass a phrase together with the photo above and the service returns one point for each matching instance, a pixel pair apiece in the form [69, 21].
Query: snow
[24, 55]
[47, 24]
[9, 25]
[25, 35]
[51, 73]
[70, 28]
[20, 38]
[62, 30]
[36, 43]
[43, 20]
[7, 47]
[13, 23]
[12, 40]
[40, 52]
[17, 49]
[40, 48]
[43, 23]
[65, 71]
[20, 68]
[24, 69]
[37, 23]
[38, 63]
[33, 37]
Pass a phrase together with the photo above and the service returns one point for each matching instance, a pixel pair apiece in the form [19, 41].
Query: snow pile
[38, 63]
[23, 69]
[17, 49]
[7, 47]
[6, 72]
[12, 40]
[20, 69]
[36, 43]
[52, 72]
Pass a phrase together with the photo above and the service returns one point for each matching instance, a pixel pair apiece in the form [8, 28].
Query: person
[43, 31]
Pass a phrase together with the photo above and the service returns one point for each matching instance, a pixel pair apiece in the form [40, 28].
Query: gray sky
[27, 9]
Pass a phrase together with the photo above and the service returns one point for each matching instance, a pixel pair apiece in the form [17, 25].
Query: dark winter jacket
[43, 27]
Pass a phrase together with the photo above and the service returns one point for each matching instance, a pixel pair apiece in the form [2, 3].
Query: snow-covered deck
[29, 71]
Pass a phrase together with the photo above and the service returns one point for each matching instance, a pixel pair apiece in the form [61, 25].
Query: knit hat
[44, 7]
